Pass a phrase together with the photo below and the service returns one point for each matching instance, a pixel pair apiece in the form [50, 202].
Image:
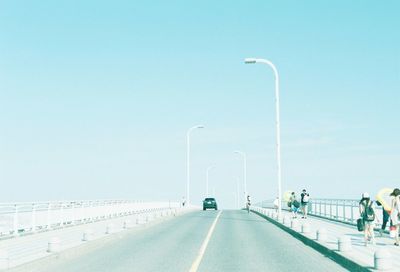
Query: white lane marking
[203, 247]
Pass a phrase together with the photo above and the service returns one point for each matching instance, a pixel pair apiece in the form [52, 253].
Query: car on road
[210, 203]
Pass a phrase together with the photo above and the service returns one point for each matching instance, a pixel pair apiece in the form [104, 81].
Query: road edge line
[197, 261]
[338, 258]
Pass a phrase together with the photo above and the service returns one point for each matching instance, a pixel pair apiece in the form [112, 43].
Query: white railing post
[62, 215]
[48, 215]
[15, 220]
[33, 227]
[337, 209]
[344, 210]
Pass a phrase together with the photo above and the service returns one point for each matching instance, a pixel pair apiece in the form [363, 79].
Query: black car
[210, 203]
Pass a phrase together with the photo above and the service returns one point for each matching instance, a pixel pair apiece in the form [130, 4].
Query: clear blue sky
[96, 97]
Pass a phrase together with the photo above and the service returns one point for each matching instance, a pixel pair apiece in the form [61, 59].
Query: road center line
[203, 247]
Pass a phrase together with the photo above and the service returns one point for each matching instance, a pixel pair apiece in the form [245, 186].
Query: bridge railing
[29, 217]
[341, 210]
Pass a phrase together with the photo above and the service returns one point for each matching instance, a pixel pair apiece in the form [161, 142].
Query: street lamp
[244, 171]
[207, 177]
[188, 161]
[278, 140]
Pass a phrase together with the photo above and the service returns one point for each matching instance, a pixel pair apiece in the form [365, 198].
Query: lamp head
[250, 60]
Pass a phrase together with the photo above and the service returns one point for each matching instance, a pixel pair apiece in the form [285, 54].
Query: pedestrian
[183, 201]
[276, 204]
[385, 217]
[395, 213]
[294, 204]
[248, 203]
[367, 213]
[305, 197]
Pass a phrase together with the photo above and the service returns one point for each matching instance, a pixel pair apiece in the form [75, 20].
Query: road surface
[239, 242]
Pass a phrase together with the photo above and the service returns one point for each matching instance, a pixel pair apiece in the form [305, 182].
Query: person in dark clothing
[304, 198]
[385, 218]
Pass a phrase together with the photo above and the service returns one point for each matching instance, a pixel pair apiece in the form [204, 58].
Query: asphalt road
[239, 242]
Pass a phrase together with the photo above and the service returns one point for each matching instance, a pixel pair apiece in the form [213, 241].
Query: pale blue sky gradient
[96, 97]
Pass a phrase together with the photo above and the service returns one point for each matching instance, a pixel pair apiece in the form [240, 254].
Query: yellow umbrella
[384, 198]
[286, 196]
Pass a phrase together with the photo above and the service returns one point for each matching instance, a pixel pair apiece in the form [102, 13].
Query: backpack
[368, 214]
[296, 204]
[306, 198]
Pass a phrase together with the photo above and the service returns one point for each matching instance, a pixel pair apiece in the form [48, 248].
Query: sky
[96, 98]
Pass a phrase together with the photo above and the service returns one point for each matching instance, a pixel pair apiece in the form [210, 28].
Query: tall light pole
[207, 177]
[278, 132]
[244, 172]
[188, 161]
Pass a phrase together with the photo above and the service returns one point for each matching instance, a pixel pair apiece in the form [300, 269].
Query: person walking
[304, 198]
[395, 213]
[248, 203]
[294, 204]
[385, 217]
[367, 213]
[276, 204]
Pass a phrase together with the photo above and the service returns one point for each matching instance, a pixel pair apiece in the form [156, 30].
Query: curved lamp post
[278, 140]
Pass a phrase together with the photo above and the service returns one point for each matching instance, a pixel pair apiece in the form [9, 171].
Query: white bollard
[54, 245]
[110, 228]
[286, 221]
[305, 228]
[127, 224]
[295, 225]
[322, 235]
[87, 235]
[344, 243]
[382, 259]
[4, 259]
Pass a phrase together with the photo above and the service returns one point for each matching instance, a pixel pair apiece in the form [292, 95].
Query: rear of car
[210, 203]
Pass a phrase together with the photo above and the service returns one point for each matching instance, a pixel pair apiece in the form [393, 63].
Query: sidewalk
[359, 253]
[24, 249]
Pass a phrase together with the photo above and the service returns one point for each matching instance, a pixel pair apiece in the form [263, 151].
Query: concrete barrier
[382, 259]
[54, 245]
[344, 243]
[322, 235]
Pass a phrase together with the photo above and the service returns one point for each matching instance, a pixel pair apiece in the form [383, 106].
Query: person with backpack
[304, 199]
[395, 213]
[294, 204]
[367, 214]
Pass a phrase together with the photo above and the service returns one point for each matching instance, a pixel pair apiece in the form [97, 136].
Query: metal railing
[30, 217]
[341, 210]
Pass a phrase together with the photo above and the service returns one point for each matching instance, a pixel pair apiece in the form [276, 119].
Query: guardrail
[341, 210]
[30, 217]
